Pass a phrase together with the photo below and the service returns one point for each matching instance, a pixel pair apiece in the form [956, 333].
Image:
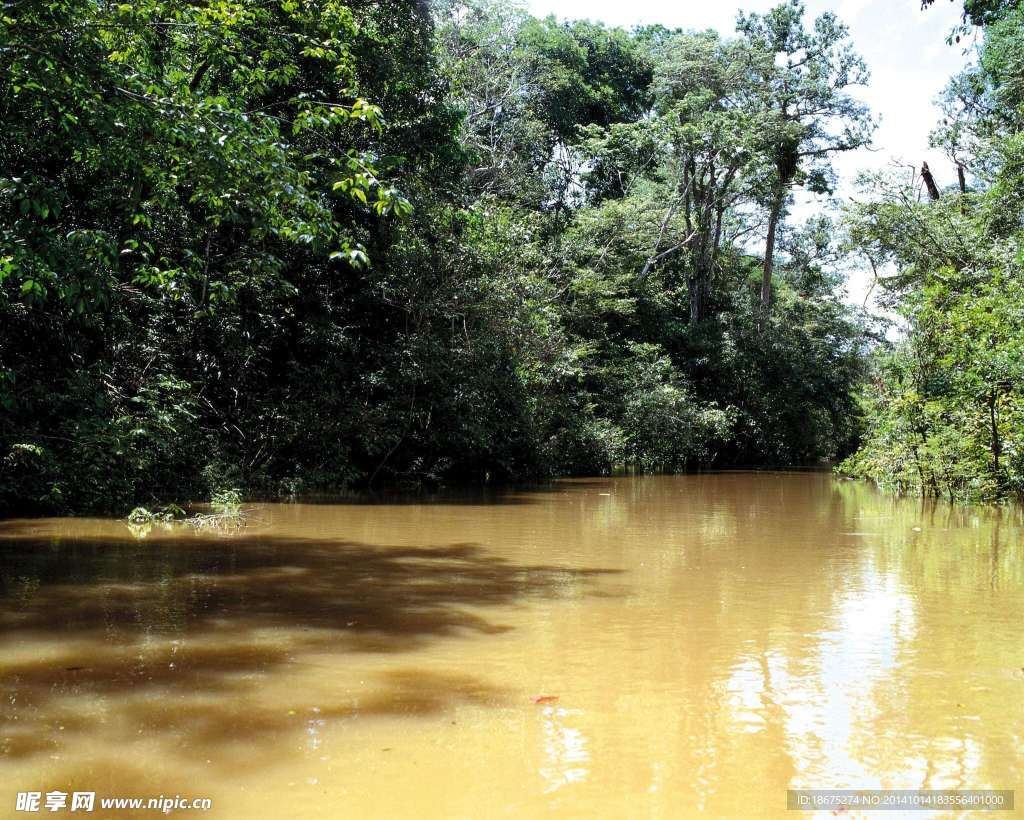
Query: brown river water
[701, 644]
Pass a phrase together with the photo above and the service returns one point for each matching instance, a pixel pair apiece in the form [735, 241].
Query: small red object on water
[544, 698]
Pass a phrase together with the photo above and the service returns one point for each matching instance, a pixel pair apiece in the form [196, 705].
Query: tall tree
[710, 150]
[802, 79]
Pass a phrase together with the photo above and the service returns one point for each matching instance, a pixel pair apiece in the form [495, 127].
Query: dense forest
[291, 247]
[944, 409]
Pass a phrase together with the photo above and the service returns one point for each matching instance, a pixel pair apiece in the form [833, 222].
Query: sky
[904, 47]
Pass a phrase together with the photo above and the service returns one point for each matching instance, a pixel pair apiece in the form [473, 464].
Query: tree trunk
[769, 257]
[929, 181]
[696, 298]
[996, 444]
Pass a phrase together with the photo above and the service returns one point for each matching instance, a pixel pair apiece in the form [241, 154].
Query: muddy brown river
[652, 647]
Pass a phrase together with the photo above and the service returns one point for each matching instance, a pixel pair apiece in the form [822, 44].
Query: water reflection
[830, 704]
[565, 749]
[713, 640]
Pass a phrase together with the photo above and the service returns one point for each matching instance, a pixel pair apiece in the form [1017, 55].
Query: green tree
[943, 412]
[806, 111]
